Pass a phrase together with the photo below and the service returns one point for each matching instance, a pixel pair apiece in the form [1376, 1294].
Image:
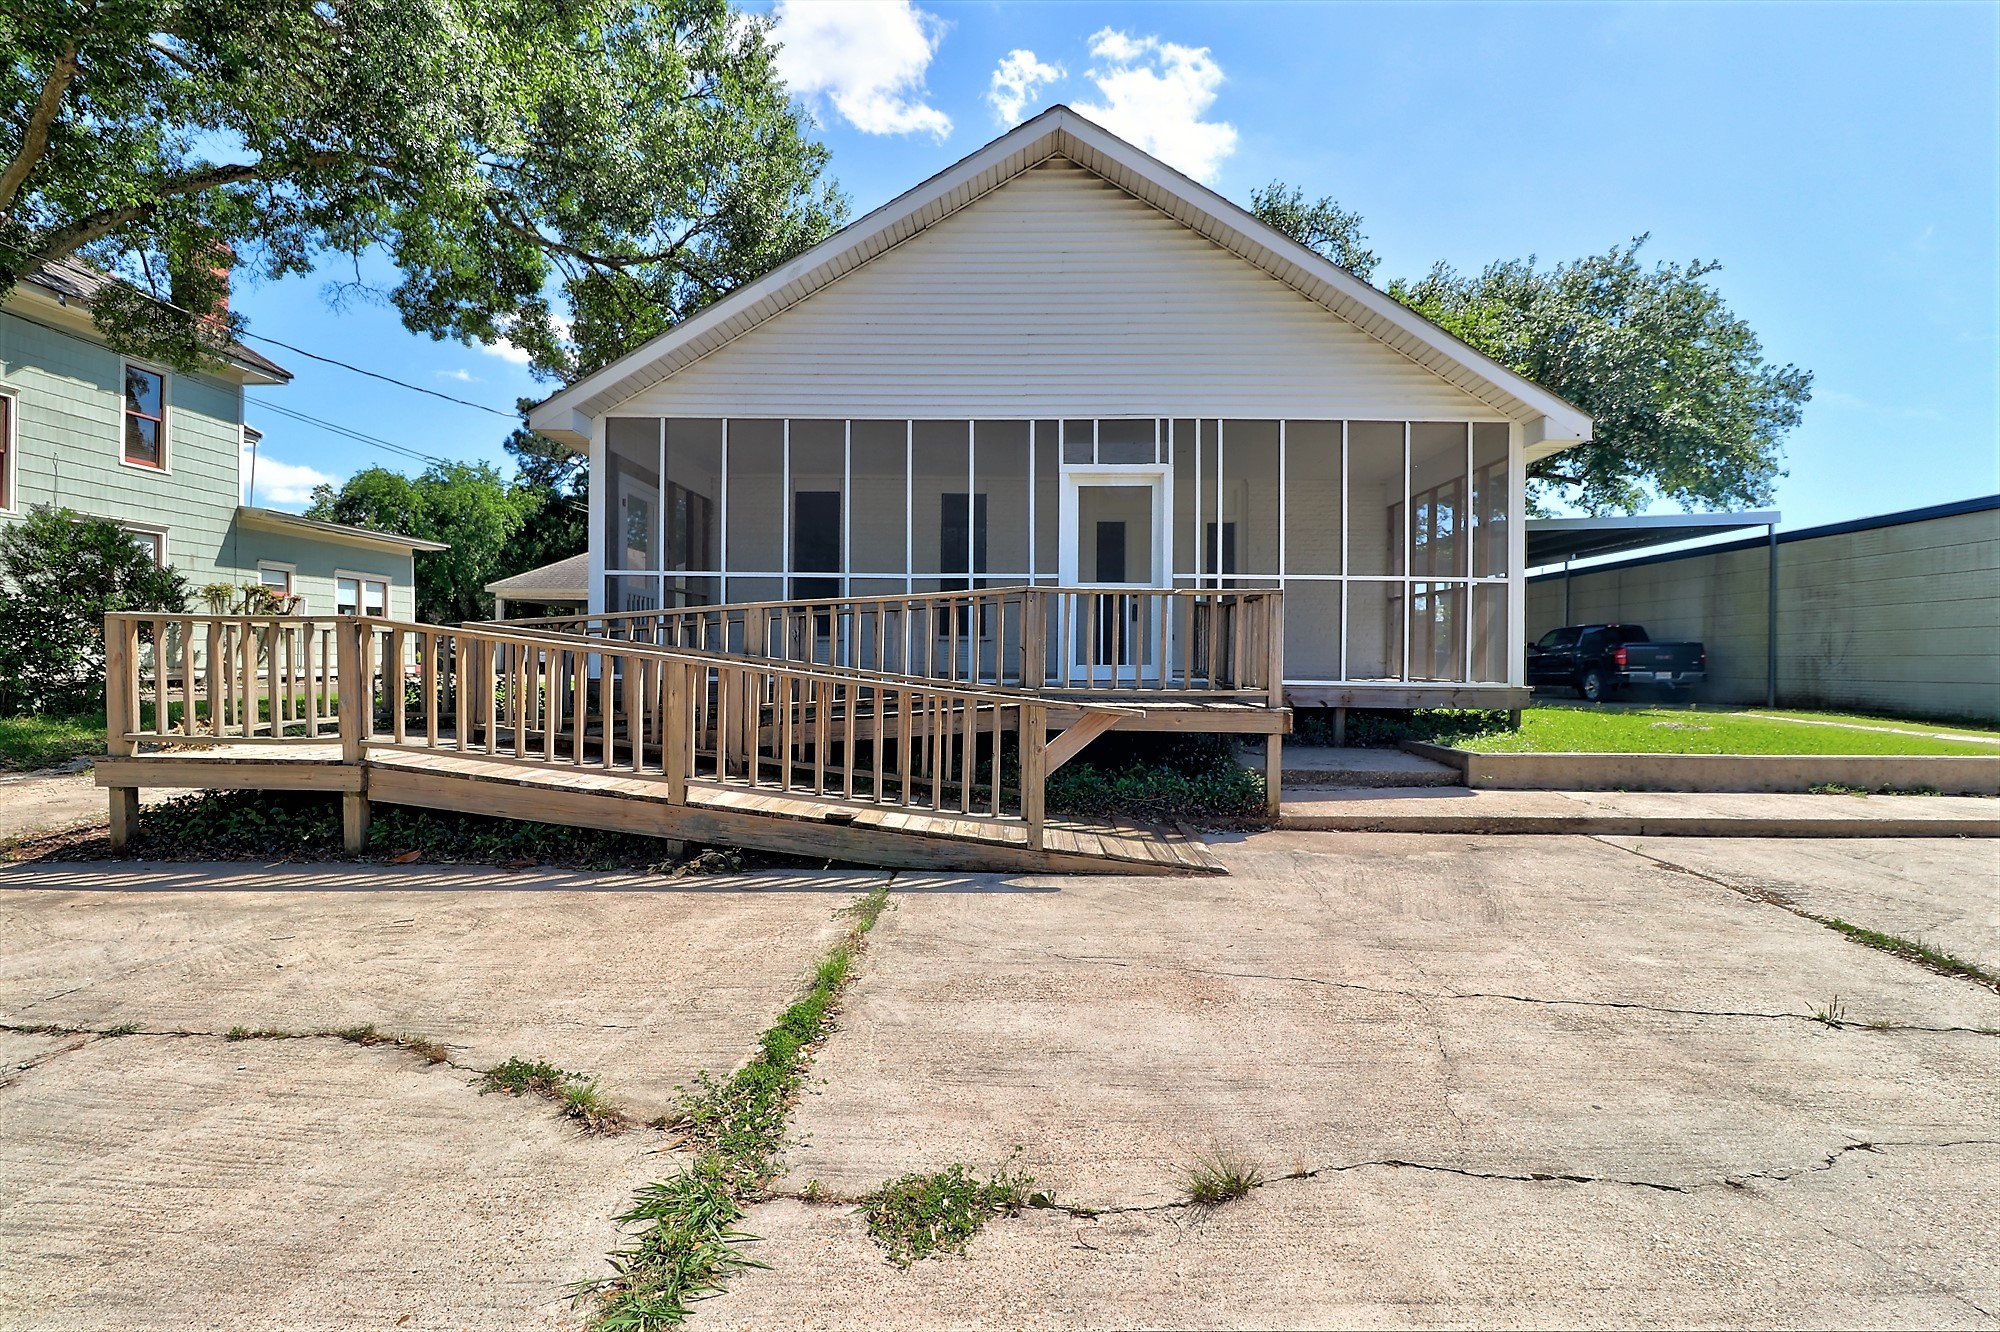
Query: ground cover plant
[1560, 728]
[575, 1094]
[227, 825]
[1217, 1178]
[684, 1243]
[1160, 779]
[1385, 728]
[927, 1216]
[28, 744]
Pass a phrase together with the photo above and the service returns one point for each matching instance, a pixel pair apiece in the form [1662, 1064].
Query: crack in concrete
[1626, 1004]
[421, 1047]
[1773, 897]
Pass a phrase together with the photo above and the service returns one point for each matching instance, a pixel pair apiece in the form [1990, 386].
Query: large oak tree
[1686, 407]
[573, 175]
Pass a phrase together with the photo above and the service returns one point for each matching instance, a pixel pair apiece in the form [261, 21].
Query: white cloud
[462, 376]
[1016, 81]
[1155, 94]
[505, 350]
[865, 57]
[281, 484]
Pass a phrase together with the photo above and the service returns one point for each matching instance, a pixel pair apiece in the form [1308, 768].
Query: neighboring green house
[160, 452]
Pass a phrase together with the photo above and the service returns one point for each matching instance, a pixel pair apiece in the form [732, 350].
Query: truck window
[1557, 638]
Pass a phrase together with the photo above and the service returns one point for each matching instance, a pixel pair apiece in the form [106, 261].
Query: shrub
[1386, 728]
[1160, 779]
[60, 574]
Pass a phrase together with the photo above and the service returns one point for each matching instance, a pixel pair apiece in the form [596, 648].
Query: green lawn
[1668, 730]
[28, 743]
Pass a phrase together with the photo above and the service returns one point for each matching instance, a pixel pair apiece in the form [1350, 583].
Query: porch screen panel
[1185, 445]
[631, 592]
[1437, 498]
[1000, 467]
[1048, 500]
[1128, 443]
[815, 504]
[1212, 537]
[1375, 630]
[1374, 498]
[690, 503]
[1489, 633]
[1312, 631]
[1489, 507]
[1312, 497]
[941, 469]
[1437, 631]
[878, 507]
[756, 504]
[632, 492]
[1250, 499]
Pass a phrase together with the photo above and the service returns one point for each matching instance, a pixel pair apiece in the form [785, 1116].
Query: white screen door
[1114, 533]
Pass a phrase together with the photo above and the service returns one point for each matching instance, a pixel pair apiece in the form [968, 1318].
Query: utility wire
[374, 441]
[329, 360]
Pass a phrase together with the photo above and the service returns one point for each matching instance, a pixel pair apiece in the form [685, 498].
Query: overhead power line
[328, 360]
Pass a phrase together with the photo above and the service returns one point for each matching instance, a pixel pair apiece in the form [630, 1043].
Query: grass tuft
[1217, 1178]
[928, 1216]
[686, 1245]
[1832, 1013]
[576, 1095]
[122, 1029]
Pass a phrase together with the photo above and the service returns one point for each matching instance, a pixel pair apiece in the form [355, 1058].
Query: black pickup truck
[1595, 659]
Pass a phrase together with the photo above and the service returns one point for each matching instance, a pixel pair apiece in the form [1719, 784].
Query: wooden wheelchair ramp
[674, 743]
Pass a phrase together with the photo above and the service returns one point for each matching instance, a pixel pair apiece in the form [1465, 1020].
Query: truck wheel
[1591, 686]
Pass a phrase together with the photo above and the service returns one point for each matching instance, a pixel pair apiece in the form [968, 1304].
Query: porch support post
[124, 815]
[1339, 727]
[354, 817]
[357, 703]
[1274, 772]
[1034, 769]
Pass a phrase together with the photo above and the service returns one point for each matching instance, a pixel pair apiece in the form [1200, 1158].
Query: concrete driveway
[1490, 1080]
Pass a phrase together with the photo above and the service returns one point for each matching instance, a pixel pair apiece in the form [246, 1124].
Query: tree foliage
[573, 175]
[468, 506]
[1322, 226]
[552, 483]
[60, 574]
[1685, 406]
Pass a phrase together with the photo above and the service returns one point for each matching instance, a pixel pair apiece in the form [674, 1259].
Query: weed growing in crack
[686, 1245]
[576, 1095]
[122, 1029]
[927, 1216]
[364, 1034]
[1832, 1013]
[257, 1034]
[1217, 1178]
[1912, 950]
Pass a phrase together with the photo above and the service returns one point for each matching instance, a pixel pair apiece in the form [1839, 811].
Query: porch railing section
[567, 702]
[1187, 642]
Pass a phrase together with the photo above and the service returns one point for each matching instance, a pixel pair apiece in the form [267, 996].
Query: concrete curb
[1617, 825]
[1972, 774]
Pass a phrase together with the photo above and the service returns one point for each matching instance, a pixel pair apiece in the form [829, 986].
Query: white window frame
[361, 581]
[158, 534]
[10, 447]
[165, 466]
[291, 573]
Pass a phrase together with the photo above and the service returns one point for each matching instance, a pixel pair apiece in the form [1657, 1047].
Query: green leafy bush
[1387, 727]
[1160, 779]
[60, 574]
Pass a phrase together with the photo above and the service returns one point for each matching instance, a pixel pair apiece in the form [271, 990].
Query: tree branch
[35, 141]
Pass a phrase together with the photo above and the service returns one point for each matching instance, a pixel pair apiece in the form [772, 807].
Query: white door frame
[1159, 476]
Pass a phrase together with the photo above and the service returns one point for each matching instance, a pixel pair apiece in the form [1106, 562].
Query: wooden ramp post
[357, 702]
[121, 692]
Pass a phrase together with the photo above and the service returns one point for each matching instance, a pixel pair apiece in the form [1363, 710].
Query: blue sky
[1841, 161]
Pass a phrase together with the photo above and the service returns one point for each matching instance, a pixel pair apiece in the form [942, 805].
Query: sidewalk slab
[1327, 765]
[1636, 813]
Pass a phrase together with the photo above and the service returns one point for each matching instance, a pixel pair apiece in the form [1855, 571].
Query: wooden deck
[791, 824]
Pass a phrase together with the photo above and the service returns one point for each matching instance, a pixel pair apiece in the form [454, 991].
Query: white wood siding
[1057, 295]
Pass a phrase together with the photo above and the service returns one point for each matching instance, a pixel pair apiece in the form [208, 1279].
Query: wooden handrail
[688, 717]
[1130, 640]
